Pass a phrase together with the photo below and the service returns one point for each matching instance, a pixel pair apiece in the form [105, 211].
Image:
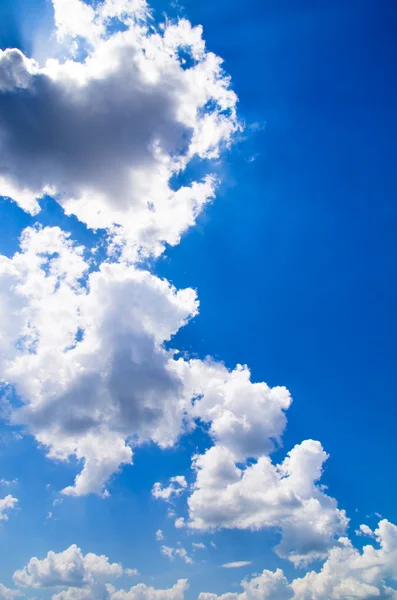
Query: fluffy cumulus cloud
[106, 136]
[262, 495]
[100, 338]
[87, 577]
[246, 421]
[70, 567]
[267, 586]
[346, 574]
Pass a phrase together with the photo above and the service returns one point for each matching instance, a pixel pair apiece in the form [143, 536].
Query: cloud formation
[346, 574]
[7, 504]
[106, 136]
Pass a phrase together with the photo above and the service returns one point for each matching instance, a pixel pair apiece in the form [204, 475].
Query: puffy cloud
[266, 586]
[237, 485]
[107, 136]
[159, 535]
[137, 592]
[71, 335]
[181, 552]
[262, 495]
[143, 592]
[7, 504]
[365, 530]
[247, 418]
[347, 573]
[70, 567]
[177, 485]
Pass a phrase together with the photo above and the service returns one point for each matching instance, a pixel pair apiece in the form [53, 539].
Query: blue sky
[294, 263]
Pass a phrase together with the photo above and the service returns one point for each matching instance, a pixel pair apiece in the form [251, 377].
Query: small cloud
[199, 546]
[179, 523]
[171, 553]
[213, 545]
[159, 535]
[8, 482]
[237, 564]
[365, 530]
[49, 515]
[131, 572]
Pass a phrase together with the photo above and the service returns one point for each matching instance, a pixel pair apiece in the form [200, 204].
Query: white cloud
[346, 574]
[237, 564]
[7, 504]
[181, 552]
[131, 572]
[7, 594]
[143, 592]
[70, 568]
[262, 495]
[177, 485]
[266, 586]
[365, 530]
[137, 592]
[247, 418]
[199, 546]
[106, 136]
[159, 535]
[102, 341]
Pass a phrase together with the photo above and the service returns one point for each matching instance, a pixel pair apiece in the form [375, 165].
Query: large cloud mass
[106, 135]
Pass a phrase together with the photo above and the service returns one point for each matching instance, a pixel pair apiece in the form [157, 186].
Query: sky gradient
[283, 240]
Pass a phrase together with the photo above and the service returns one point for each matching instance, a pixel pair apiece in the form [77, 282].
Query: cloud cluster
[85, 352]
[180, 552]
[237, 485]
[346, 574]
[70, 568]
[107, 135]
[87, 577]
[7, 504]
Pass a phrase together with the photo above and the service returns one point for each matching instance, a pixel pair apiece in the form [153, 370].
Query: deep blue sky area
[299, 251]
[295, 262]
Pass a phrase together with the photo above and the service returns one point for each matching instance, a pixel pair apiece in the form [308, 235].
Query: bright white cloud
[347, 574]
[65, 340]
[247, 418]
[266, 586]
[199, 546]
[143, 592]
[176, 487]
[7, 504]
[137, 592]
[107, 135]
[70, 567]
[262, 495]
